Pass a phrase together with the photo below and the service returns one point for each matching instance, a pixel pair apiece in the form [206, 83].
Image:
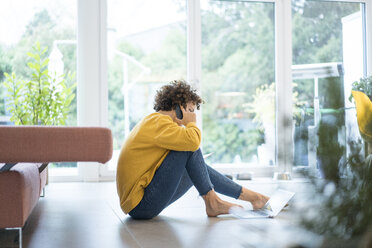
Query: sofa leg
[19, 234]
[43, 192]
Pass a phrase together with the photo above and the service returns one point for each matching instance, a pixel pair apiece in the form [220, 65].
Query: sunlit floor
[89, 215]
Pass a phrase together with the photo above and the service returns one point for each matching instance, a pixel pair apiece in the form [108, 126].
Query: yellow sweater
[145, 149]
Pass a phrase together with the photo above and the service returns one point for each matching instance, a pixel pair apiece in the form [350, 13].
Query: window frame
[283, 76]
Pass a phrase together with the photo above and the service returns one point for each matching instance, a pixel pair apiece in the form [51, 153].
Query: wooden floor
[88, 215]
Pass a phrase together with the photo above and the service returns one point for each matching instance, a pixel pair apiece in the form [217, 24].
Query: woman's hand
[188, 116]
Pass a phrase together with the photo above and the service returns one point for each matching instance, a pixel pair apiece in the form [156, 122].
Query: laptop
[271, 209]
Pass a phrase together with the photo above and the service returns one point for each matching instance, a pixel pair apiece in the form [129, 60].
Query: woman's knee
[143, 215]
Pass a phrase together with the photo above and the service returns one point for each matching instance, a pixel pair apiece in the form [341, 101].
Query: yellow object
[145, 149]
[364, 114]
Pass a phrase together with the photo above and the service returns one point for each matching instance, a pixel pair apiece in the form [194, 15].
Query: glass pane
[238, 75]
[327, 58]
[53, 24]
[146, 49]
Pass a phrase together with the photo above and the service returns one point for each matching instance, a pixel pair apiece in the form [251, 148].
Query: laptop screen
[278, 200]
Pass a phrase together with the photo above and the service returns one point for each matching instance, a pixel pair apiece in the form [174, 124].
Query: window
[328, 41]
[146, 49]
[53, 24]
[238, 82]
[240, 42]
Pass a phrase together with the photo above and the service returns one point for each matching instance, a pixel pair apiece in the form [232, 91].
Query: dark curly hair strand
[176, 92]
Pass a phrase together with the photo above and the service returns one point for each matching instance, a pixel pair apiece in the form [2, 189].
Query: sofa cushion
[19, 193]
[55, 144]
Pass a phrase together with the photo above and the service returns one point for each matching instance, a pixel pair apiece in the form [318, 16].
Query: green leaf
[44, 50]
[37, 45]
[31, 65]
[32, 55]
[45, 62]
[69, 100]
[41, 98]
[6, 85]
[45, 72]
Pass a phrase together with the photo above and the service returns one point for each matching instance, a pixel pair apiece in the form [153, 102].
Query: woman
[161, 160]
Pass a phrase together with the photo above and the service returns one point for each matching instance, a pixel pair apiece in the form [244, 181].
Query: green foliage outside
[41, 99]
[364, 85]
[227, 139]
[317, 38]
[168, 62]
[5, 67]
[263, 104]
[44, 29]
[237, 56]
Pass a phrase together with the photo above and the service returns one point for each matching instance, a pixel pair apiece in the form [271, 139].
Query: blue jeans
[175, 176]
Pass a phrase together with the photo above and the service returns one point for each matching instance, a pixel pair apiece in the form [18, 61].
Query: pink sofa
[25, 151]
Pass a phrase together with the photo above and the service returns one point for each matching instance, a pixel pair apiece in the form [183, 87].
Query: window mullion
[368, 29]
[194, 48]
[283, 62]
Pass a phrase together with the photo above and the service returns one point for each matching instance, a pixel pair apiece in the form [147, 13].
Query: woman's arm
[171, 136]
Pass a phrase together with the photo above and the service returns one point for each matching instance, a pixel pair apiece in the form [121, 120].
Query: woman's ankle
[248, 195]
[210, 196]
[215, 205]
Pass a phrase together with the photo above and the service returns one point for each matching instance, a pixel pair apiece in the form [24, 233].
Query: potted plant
[340, 208]
[40, 99]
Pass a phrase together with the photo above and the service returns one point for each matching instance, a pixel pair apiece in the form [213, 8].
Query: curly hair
[176, 92]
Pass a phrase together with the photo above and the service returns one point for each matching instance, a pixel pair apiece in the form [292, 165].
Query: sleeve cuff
[191, 124]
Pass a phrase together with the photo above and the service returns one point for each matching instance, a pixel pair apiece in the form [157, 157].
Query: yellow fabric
[145, 149]
[364, 114]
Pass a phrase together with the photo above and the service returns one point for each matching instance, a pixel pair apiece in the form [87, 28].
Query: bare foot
[215, 206]
[256, 199]
[260, 201]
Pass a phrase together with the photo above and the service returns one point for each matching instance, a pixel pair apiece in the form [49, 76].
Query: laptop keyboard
[259, 213]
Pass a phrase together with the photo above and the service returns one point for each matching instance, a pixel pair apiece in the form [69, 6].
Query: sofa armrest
[55, 144]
